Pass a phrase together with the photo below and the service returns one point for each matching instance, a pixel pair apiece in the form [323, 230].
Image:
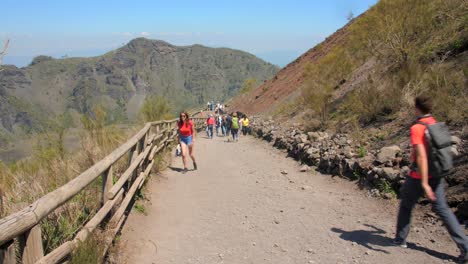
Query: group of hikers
[217, 108]
[426, 177]
[227, 124]
[224, 124]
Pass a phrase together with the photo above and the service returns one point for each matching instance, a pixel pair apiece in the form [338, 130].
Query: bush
[371, 103]
[362, 152]
[248, 85]
[156, 108]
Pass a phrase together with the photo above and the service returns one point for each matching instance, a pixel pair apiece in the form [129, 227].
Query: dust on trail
[239, 208]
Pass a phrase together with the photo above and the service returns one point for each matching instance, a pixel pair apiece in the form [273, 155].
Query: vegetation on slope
[50, 167]
[413, 47]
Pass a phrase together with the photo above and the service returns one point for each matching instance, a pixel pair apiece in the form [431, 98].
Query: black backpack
[439, 153]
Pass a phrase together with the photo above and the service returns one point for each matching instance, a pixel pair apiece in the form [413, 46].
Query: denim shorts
[186, 140]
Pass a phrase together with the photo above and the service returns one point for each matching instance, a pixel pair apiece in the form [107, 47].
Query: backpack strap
[427, 135]
[423, 123]
[414, 165]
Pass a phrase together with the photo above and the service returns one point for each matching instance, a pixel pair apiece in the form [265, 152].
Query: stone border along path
[247, 203]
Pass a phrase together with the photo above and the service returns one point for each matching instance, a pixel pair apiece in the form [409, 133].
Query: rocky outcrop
[40, 58]
[381, 170]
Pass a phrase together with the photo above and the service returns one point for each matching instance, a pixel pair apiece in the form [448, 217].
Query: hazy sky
[277, 31]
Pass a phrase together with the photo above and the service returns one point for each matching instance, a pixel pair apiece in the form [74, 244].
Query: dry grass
[420, 47]
[25, 181]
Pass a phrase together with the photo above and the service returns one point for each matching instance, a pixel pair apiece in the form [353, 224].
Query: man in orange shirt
[210, 121]
[420, 182]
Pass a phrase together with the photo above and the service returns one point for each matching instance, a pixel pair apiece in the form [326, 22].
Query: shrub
[156, 108]
[362, 152]
[248, 85]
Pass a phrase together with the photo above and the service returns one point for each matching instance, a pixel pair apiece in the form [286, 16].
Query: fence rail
[24, 225]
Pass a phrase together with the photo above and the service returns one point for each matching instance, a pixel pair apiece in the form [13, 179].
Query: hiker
[241, 119]
[218, 120]
[186, 133]
[223, 125]
[210, 121]
[228, 125]
[426, 178]
[235, 127]
[245, 125]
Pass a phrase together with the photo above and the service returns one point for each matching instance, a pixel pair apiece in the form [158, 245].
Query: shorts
[186, 140]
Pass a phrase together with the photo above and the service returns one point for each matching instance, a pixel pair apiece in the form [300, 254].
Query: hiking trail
[239, 207]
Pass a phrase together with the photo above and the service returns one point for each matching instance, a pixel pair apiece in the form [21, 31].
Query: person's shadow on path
[176, 169]
[369, 238]
[365, 238]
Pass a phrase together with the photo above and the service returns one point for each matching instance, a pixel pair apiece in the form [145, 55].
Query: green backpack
[235, 123]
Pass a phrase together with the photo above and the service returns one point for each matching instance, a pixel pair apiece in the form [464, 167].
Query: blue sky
[277, 31]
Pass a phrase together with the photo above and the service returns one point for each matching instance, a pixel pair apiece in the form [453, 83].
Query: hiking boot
[195, 166]
[399, 242]
[184, 170]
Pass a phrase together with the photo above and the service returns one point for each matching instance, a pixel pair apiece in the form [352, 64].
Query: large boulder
[389, 174]
[313, 136]
[387, 154]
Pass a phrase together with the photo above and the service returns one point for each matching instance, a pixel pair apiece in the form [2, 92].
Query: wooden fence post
[31, 245]
[147, 137]
[7, 253]
[133, 157]
[107, 182]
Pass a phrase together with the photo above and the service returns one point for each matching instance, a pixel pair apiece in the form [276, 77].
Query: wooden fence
[24, 226]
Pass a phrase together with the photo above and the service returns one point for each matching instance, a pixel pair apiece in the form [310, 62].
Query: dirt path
[239, 208]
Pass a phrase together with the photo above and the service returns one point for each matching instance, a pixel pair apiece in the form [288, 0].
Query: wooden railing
[24, 226]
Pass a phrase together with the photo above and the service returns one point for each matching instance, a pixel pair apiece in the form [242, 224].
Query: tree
[319, 97]
[3, 53]
[322, 78]
[248, 85]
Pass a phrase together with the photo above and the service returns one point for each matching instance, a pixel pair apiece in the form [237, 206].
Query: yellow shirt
[245, 122]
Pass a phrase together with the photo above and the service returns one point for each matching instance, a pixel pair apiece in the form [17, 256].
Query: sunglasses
[183, 116]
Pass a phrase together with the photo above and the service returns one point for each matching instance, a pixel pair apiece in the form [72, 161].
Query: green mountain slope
[120, 81]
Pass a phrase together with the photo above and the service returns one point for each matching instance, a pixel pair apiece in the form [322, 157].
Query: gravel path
[239, 208]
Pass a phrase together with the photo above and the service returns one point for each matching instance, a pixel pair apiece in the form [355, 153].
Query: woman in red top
[186, 138]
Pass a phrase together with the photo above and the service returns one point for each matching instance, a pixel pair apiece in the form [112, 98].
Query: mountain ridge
[120, 81]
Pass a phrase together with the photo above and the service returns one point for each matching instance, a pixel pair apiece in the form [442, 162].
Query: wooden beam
[126, 201]
[58, 254]
[146, 173]
[66, 249]
[110, 237]
[126, 175]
